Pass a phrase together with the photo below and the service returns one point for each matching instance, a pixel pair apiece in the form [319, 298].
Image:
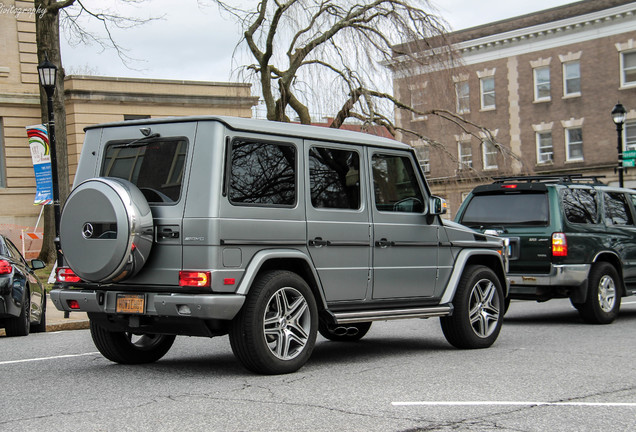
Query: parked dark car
[570, 237]
[22, 296]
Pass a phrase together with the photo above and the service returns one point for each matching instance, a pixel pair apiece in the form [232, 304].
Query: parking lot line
[46, 358]
[515, 403]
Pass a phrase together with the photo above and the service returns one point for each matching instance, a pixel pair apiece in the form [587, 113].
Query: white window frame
[625, 83]
[424, 157]
[463, 161]
[566, 79]
[418, 101]
[541, 153]
[462, 99]
[537, 83]
[568, 144]
[629, 139]
[489, 150]
[485, 93]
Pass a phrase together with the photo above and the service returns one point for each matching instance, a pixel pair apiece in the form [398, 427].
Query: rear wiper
[139, 142]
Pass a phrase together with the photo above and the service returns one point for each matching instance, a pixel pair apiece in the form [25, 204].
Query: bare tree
[51, 14]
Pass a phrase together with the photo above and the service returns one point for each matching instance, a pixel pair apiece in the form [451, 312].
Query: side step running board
[392, 314]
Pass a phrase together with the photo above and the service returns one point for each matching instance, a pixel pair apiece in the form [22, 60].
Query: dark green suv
[569, 237]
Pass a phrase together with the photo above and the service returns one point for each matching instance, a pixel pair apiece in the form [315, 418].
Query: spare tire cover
[106, 230]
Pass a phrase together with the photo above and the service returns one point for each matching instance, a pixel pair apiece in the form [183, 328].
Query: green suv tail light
[559, 245]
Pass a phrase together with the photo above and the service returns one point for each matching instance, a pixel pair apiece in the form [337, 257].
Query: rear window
[155, 167]
[507, 209]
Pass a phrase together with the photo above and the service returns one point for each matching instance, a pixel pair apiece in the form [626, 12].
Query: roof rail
[552, 178]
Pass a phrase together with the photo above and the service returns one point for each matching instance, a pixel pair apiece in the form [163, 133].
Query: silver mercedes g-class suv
[268, 232]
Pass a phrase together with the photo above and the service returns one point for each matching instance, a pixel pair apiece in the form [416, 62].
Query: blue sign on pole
[41, 157]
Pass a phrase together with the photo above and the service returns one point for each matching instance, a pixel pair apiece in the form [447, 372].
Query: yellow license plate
[130, 303]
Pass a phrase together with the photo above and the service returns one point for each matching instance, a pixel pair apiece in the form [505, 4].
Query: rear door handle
[318, 242]
[384, 243]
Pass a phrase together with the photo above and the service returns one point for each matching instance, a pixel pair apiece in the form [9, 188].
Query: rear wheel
[478, 310]
[344, 333]
[20, 325]
[275, 331]
[603, 300]
[128, 348]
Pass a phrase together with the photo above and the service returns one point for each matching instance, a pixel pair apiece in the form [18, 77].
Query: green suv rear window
[507, 209]
[580, 206]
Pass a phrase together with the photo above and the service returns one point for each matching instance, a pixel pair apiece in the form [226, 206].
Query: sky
[194, 41]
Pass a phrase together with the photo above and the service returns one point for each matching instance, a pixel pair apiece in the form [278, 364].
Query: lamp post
[618, 116]
[47, 73]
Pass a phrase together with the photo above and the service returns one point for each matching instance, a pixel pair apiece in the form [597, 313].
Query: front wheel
[275, 331]
[128, 348]
[478, 310]
[603, 300]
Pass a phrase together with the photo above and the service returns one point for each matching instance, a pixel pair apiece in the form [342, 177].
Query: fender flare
[261, 257]
[460, 264]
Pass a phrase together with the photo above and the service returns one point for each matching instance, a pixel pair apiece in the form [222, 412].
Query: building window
[572, 78]
[574, 144]
[465, 155]
[418, 103]
[487, 87]
[489, 155]
[3, 178]
[462, 91]
[628, 68]
[630, 135]
[545, 151]
[542, 83]
[424, 158]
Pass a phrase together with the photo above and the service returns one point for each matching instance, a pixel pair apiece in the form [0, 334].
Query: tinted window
[580, 206]
[519, 208]
[155, 167]
[334, 177]
[395, 186]
[616, 209]
[262, 173]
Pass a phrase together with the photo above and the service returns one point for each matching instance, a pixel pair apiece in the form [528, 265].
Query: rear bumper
[200, 306]
[566, 276]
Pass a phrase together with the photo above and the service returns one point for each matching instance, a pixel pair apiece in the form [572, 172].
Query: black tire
[478, 310]
[345, 332]
[122, 347]
[275, 331]
[506, 305]
[20, 325]
[41, 326]
[603, 301]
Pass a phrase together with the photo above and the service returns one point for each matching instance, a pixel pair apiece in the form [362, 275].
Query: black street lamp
[618, 116]
[47, 73]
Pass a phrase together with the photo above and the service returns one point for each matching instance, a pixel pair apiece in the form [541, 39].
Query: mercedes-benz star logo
[87, 230]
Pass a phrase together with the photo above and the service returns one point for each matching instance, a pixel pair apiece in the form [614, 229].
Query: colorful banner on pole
[41, 157]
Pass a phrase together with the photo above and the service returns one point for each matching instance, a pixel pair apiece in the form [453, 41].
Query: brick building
[89, 100]
[544, 84]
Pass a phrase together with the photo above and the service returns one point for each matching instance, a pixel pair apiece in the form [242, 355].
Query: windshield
[507, 209]
[155, 167]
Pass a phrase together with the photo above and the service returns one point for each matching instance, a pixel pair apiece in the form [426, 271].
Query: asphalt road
[547, 372]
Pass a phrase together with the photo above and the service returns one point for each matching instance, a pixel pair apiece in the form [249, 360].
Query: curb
[72, 325]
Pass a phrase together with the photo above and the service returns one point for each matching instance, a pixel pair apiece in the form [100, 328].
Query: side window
[334, 177]
[616, 209]
[395, 185]
[15, 253]
[262, 173]
[580, 206]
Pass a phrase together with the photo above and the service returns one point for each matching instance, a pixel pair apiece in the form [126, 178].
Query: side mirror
[37, 264]
[437, 205]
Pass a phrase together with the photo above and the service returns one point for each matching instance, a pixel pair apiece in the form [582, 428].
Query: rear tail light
[196, 279]
[65, 274]
[73, 304]
[5, 267]
[559, 245]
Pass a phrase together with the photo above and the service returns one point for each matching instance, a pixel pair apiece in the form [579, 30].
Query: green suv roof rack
[555, 178]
